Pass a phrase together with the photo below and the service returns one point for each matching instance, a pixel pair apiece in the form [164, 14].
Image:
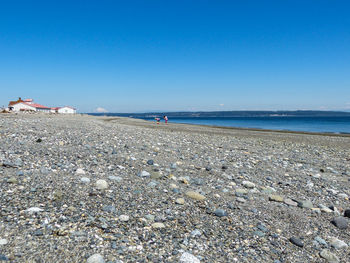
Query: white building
[28, 105]
[66, 110]
[22, 106]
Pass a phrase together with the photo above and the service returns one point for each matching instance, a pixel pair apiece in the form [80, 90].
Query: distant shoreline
[338, 125]
[230, 114]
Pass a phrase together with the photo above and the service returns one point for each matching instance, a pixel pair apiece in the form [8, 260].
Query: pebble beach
[93, 189]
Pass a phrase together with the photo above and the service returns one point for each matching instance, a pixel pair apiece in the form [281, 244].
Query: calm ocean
[306, 124]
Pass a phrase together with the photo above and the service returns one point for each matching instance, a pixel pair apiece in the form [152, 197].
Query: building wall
[43, 110]
[66, 110]
[21, 106]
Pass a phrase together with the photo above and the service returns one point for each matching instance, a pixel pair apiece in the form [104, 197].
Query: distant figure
[166, 119]
[157, 120]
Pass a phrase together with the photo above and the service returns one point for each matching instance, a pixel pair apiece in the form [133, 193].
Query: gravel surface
[97, 189]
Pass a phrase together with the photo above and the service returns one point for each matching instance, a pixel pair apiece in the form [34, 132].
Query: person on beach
[157, 120]
[165, 119]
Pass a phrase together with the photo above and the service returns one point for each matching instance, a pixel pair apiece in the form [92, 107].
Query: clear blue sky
[134, 56]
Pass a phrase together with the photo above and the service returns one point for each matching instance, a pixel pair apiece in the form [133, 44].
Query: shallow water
[306, 124]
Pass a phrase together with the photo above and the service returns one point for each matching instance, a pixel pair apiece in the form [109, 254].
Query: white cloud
[101, 110]
[221, 105]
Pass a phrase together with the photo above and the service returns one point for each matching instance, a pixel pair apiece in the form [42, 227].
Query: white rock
[101, 184]
[158, 225]
[343, 195]
[95, 258]
[115, 178]
[3, 241]
[144, 174]
[248, 184]
[330, 257]
[85, 180]
[34, 210]
[337, 243]
[80, 171]
[124, 218]
[188, 258]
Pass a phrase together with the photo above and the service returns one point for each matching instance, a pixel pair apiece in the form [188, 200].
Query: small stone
[262, 227]
[305, 204]
[258, 233]
[101, 184]
[248, 184]
[156, 175]
[144, 174]
[150, 217]
[85, 180]
[109, 209]
[3, 258]
[34, 210]
[220, 213]
[184, 180]
[195, 195]
[12, 180]
[337, 243]
[180, 201]
[158, 225]
[80, 171]
[296, 241]
[115, 178]
[96, 258]
[340, 222]
[321, 241]
[290, 202]
[44, 170]
[195, 233]
[347, 213]
[276, 198]
[124, 218]
[326, 210]
[57, 195]
[239, 192]
[38, 232]
[330, 257]
[268, 190]
[150, 162]
[152, 184]
[3, 242]
[240, 200]
[188, 258]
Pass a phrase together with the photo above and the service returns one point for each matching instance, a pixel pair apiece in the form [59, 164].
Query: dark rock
[296, 241]
[340, 222]
[3, 258]
[220, 212]
[39, 140]
[347, 213]
[150, 162]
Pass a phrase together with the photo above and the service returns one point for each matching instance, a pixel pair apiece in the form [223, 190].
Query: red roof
[15, 102]
[36, 105]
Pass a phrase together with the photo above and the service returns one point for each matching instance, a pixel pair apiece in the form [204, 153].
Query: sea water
[304, 124]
